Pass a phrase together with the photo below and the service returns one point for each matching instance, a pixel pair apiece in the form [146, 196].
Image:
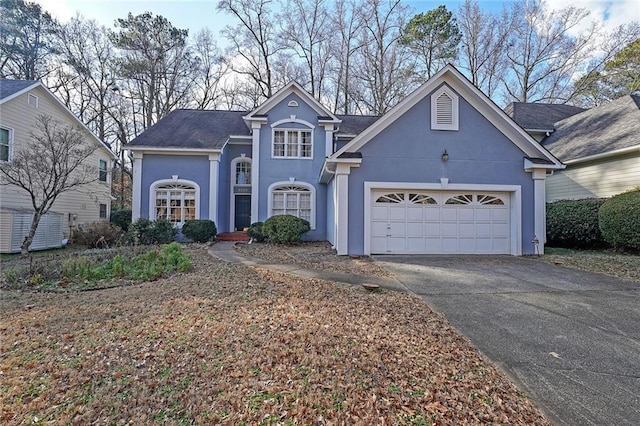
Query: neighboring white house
[21, 102]
[599, 146]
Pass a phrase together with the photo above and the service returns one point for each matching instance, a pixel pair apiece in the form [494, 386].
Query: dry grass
[313, 255]
[225, 344]
[625, 266]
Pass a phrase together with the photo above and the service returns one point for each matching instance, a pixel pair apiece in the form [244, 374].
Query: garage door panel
[419, 222]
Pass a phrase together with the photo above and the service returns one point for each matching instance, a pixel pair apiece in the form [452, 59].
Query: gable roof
[539, 117]
[195, 129]
[603, 129]
[10, 89]
[478, 100]
[292, 87]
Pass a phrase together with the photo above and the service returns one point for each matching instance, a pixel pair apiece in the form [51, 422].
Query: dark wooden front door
[242, 212]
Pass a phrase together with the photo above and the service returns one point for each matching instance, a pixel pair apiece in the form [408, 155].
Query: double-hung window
[290, 143]
[102, 171]
[5, 144]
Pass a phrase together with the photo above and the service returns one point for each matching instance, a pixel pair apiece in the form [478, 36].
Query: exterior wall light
[445, 156]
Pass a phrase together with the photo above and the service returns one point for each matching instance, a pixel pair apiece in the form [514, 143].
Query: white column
[214, 180]
[137, 186]
[328, 141]
[342, 208]
[255, 169]
[539, 197]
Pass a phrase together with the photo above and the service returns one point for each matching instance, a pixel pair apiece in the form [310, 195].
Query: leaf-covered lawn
[621, 265]
[229, 345]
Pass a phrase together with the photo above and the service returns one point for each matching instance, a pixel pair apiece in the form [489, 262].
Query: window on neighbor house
[32, 100]
[175, 202]
[102, 171]
[294, 200]
[292, 144]
[103, 211]
[5, 144]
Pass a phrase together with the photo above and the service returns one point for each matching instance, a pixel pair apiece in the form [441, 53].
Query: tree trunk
[24, 248]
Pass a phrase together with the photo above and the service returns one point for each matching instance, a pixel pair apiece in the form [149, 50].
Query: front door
[242, 212]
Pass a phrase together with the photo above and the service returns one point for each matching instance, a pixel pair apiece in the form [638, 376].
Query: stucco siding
[307, 170]
[193, 168]
[84, 201]
[598, 179]
[408, 151]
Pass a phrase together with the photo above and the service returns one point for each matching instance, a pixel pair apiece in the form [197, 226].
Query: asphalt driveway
[570, 339]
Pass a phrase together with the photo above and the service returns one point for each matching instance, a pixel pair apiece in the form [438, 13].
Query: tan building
[599, 146]
[21, 102]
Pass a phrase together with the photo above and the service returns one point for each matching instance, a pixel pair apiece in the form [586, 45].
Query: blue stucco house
[444, 171]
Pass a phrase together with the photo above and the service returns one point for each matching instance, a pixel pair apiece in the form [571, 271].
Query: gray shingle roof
[9, 87]
[539, 116]
[355, 124]
[602, 129]
[184, 128]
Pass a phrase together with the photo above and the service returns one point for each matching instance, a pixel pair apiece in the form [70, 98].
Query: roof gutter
[628, 150]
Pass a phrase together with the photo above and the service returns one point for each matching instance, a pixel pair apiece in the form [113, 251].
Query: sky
[197, 14]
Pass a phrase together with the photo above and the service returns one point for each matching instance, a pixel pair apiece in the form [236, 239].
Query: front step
[232, 236]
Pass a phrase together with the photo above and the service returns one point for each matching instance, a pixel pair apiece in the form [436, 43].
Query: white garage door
[433, 222]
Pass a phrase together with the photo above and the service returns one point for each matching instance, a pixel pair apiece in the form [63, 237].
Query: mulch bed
[226, 344]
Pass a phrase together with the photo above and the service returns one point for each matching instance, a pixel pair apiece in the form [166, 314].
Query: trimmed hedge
[200, 230]
[144, 231]
[121, 218]
[255, 232]
[285, 228]
[575, 224]
[620, 220]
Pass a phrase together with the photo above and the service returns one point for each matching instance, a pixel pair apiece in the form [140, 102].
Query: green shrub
[145, 231]
[255, 232]
[285, 228]
[100, 234]
[574, 224]
[620, 220]
[199, 231]
[121, 218]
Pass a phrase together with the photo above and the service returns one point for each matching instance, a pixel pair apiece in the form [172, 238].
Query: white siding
[599, 179]
[84, 201]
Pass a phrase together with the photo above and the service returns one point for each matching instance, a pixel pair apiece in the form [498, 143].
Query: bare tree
[383, 63]
[253, 41]
[347, 21]
[484, 38]
[210, 69]
[543, 54]
[307, 31]
[52, 163]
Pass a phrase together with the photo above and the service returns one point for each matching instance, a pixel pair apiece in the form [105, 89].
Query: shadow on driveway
[569, 338]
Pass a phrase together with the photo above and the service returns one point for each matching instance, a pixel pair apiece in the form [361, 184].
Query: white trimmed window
[5, 144]
[292, 143]
[102, 171]
[175, 202]
[297, 199]
[242, 174]
[444, 109]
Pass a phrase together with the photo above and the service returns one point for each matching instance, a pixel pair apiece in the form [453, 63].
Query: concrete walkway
[224, 250]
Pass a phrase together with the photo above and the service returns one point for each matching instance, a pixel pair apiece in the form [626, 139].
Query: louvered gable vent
[444, 109]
